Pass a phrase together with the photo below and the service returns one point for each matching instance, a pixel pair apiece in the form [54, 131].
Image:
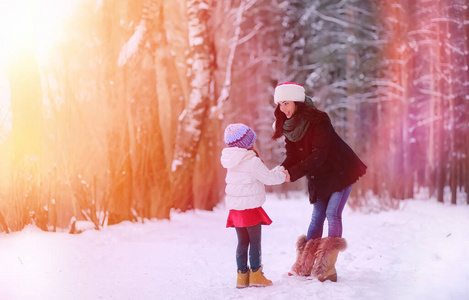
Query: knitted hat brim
[289, 92]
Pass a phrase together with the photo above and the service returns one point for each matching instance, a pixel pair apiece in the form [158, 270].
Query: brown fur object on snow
[308, 257]
[324, 253]
[300, 246]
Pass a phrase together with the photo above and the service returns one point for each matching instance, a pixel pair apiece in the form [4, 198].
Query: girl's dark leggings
[248, 237]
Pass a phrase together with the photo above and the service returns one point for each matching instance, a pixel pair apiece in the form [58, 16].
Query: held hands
[282, 169]
[287, 179]
[278, 168]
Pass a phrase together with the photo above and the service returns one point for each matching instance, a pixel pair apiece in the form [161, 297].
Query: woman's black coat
[329, 164]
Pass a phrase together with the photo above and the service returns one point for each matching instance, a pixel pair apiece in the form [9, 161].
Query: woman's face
[288, 108]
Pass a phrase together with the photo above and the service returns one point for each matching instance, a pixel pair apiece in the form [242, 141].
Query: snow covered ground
[420, 251]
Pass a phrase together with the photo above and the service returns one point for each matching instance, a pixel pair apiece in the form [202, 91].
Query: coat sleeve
[320, 140]
[290, 155]
[266, 176]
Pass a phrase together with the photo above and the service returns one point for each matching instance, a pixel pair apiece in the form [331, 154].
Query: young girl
[245, 194]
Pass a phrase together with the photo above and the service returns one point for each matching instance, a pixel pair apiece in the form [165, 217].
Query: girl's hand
[278, 168]
[287, 179]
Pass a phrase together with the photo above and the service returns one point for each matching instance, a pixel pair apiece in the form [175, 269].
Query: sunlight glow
[25, 24]
[24, 21]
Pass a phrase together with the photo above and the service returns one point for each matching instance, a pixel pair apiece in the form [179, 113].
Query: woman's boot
[308, 257]
[257, 278]
[243, 280]
[328, 250]
[300, 246]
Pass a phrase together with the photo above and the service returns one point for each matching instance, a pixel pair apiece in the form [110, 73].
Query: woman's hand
[287, 179]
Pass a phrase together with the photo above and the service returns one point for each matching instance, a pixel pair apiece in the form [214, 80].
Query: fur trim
[308, 257]
[325, 251]
[300, 246]
[289, 91]
[301, 243]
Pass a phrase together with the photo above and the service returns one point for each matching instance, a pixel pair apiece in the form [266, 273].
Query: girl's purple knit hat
[239, 135]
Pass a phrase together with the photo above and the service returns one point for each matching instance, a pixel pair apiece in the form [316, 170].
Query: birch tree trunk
[118, 137]
[4, 223]
[153, 177]
[192, 119]
[465, 77]
[164, 65]
[407, 171]
[441, 88]
[171, 87]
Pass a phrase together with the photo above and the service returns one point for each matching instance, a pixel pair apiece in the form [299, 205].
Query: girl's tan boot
[243, 280]
[258, 279]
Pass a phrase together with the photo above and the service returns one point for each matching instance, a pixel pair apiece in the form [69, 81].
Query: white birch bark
[191, 121]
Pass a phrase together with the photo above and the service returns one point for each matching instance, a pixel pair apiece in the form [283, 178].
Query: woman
[314, 150]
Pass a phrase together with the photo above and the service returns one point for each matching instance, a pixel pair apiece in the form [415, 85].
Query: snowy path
[418, 252]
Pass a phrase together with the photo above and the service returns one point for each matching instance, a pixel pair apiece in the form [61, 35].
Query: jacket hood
[232, 156]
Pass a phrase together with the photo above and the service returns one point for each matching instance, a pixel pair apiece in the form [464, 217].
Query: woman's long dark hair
[303, 111]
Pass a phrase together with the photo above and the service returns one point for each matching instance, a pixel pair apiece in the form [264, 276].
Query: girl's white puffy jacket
[246, 178]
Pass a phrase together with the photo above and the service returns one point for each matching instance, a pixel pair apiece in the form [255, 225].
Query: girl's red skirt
[247, 217]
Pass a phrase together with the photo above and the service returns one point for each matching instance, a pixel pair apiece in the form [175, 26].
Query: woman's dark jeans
[248, 237]
[332, 209]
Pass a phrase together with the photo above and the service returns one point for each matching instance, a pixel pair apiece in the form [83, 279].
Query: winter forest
[114, 110]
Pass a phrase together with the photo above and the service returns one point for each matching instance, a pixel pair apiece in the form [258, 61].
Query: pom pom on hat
[289, 91]
[239, 135]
